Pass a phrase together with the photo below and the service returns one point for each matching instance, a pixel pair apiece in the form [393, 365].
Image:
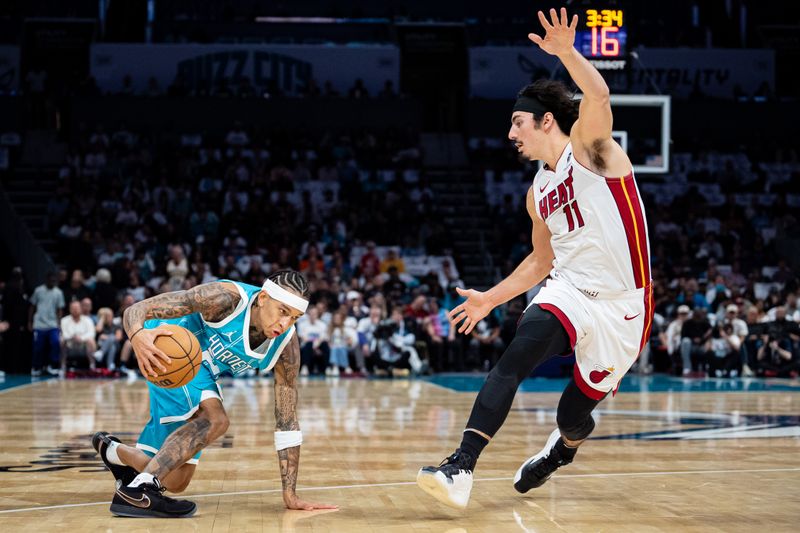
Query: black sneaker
[538, 469]
[122, 473]
[147, 501]
[451, 481]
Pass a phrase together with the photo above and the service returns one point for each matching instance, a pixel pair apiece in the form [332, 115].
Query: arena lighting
[321, 20]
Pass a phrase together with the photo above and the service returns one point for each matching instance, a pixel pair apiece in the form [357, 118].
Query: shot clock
[602, 38]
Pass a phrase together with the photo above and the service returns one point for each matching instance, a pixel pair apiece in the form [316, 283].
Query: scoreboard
[602, 38]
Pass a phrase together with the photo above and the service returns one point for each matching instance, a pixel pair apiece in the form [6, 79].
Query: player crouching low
[239, 327]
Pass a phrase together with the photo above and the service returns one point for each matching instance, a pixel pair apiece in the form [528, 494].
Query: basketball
[184, 350]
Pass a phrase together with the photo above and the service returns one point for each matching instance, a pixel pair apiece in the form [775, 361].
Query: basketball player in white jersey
[590, 237]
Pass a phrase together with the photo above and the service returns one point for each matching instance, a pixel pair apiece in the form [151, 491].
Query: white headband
[282, 295]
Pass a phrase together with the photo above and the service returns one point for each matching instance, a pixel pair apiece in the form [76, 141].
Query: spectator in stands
[312, 263]
[448, 275]
[44, 317]
[76, 290]
[366, 332]
[725, 351]
[394, 288]
[105, 295]
[776, 359]
[442, 344]
[77, 337]
[177, 268]
[695, 336]
[392, 260]
[355, 307]
[109, 337]
[791, 309]
[342, 340]
[396, 351]
[369, 264]
[86, 309]
[314, 348]
[674, 331]
[691, 295]
[358, 91]
[739, 329]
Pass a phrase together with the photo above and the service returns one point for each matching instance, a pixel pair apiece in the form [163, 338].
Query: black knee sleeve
[539, 336]
[574, 416]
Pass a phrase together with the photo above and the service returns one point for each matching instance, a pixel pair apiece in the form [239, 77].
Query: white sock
[111, 454]
[141, 479]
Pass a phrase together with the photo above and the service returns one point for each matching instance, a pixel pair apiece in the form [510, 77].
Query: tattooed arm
[286, 371]
[214, 301]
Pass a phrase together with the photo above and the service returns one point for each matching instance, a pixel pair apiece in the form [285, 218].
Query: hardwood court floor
[677, 460]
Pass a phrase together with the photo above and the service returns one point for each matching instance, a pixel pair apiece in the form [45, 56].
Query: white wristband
[288, 439]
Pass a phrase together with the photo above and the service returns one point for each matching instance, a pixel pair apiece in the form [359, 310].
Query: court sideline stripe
[24, 385]
[402, 483]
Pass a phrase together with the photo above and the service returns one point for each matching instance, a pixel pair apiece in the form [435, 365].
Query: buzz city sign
[288, 68]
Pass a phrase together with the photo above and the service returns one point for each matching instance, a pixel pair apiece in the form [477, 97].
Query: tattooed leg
[175, 481]
[210, 423]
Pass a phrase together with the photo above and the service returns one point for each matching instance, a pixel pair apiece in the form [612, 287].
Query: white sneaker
[747, 372]
[304, 370]
[35, 373]
[53, 371]
[451, 481]
[98, 355]
[335, 372]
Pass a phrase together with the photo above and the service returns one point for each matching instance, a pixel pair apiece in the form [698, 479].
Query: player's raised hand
[469, 313]
[559, 36]
[147, 355]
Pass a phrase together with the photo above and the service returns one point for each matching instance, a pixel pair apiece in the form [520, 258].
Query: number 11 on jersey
[568, 210]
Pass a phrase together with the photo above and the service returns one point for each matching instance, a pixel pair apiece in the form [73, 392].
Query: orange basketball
[184, 350]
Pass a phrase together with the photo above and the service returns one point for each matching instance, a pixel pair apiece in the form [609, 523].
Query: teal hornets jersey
[226, 344]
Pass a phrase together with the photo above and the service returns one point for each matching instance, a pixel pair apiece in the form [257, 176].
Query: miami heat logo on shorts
[600, 373]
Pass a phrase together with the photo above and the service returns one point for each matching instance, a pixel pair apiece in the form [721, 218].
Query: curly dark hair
[557, 98]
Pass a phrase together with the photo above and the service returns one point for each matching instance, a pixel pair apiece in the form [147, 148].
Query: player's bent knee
[499, 386]
[219, 424]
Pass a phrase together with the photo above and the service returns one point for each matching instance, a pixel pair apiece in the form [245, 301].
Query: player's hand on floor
[293, 502]
[148, 356]
[469, 313]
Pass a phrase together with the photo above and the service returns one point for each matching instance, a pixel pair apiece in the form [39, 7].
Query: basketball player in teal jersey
[239, 327]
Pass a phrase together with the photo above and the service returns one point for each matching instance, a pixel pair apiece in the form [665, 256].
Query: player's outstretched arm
[592, 130]
[532, 270]
[286, 371]
[214, 301]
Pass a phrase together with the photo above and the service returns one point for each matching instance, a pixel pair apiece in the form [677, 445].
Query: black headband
[530, 105]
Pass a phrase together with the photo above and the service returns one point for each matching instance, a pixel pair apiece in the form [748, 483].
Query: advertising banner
[286, 67]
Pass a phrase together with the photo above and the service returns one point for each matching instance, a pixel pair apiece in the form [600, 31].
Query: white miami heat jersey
[598, 225]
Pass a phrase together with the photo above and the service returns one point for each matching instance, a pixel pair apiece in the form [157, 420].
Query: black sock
[566, 453]
[473, 444]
